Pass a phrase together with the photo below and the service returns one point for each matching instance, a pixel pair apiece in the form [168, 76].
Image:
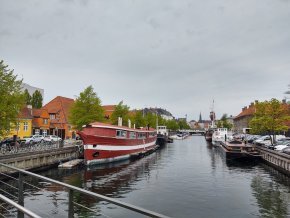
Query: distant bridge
[193, 131]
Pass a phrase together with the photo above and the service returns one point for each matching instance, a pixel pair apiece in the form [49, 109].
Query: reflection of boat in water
[104, 143]
[116, 178]
[238, 150]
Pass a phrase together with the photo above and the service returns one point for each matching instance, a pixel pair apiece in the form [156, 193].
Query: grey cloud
[175, 54]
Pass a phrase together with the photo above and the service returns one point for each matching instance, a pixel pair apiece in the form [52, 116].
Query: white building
[32, 89]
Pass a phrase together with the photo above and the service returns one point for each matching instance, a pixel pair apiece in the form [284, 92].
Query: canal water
[188, 178]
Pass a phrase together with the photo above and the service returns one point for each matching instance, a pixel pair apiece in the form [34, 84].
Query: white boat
[221, 135]
[180, 136]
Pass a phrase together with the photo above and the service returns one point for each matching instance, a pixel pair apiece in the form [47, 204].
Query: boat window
[121, 134]
[132, 135]
[152, 134]
[141, 135]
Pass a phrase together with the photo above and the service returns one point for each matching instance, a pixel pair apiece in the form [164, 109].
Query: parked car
[282, 141]
[52, 138]
[34, 139]
[261, 141]
[286, 150]
[253, 138]
[280, 147]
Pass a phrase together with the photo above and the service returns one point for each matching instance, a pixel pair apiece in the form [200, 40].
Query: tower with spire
[200, 119]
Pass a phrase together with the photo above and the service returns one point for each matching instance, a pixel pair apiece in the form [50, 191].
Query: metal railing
[19, 207]
[71, 190]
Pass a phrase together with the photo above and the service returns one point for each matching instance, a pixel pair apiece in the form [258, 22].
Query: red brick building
[58, 110]
[40, 122]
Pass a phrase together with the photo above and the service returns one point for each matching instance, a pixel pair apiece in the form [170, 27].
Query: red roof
[59, 106]
[249, 111]
[25, 113]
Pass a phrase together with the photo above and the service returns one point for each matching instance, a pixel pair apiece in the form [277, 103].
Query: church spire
[200, 119]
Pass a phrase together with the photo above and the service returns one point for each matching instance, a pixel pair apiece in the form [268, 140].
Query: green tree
[270, 117]
[121, 110]
[150, 120]
[11, 99]
[172, 125]
[86, 109]
[138, 119]
[183, 124]
[36, 100]
[27, 97]
[223, 122]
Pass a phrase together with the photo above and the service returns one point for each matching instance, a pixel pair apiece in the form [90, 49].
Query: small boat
[180, 136]
[208, 134]
[221, 135]
[162, 136]
[237, 149]
[104, 143]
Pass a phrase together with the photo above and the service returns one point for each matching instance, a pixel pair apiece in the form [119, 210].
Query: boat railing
[71, 190]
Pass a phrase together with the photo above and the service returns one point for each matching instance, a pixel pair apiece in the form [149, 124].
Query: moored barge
[104, 143]
[238, 150]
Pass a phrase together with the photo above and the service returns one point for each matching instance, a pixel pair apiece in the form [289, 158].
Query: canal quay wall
[278, 160]
[39, 160]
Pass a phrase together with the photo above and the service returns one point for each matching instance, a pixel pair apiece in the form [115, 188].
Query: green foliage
[270, 117]
[223, 122]
[11, 99]
[86, 109]
[27, 97]
[183, 124]
[138, 119]
[172, 125]
[121, 110]
[36, 100]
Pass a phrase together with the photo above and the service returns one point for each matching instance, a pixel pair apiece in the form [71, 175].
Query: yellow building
[24, 127]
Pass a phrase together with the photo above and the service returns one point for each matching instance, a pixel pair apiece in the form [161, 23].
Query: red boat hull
[102, 146]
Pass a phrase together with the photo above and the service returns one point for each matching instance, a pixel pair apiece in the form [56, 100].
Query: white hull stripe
[117, 147]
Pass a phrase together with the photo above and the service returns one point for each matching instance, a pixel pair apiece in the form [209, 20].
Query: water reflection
[271, 198]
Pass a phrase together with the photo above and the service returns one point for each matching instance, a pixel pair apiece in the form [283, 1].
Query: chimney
[252, 104]
[119, 121]
[29, 107]
[244, 108]
[129, 123]
[284, 101]
[256, 101]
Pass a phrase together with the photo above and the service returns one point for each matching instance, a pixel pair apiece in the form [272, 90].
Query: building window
[52, 116]
[17, 128]
[44, 132]
[45, 121]
[37, 131]
[25, 126]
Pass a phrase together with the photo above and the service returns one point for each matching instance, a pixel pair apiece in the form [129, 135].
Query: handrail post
[20, 194]
[70, 204]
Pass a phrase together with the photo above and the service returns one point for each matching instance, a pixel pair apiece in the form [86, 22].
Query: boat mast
[212, 115]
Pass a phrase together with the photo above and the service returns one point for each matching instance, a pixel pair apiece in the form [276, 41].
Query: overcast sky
[174, 54]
